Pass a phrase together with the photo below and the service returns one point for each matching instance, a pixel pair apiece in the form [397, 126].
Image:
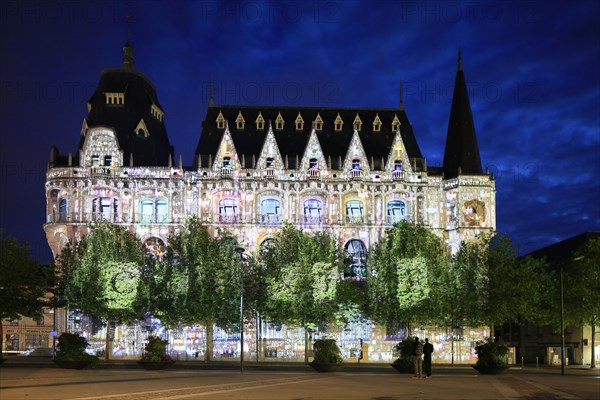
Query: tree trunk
[1, 338]
[209, 341]
[593, 355]
[108, 345]
[306, 342]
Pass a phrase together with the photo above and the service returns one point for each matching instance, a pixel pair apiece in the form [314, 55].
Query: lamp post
[240, 251]
[562, 325]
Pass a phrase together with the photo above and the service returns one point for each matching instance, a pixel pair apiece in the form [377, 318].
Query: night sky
[532, 68]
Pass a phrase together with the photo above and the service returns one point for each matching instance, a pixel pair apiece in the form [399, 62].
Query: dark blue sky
[532, 67]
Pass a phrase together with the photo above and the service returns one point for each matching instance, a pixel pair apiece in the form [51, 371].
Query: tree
[582, 289]
[23, 282]
[199, 280]
[303, 274]
[101, 274]
[406, 277]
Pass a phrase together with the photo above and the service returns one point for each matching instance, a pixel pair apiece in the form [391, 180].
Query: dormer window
[357, 123]
[318, 123]
[156, 112]
[299, 122]
[220, 121]
[226, 162]
[260, 122]
[95, 160]
[279, 122]
[377, 124]
[338, 123]
[397, 165]
[141, 129]
[270, 163]
[395, 123]
[239, 121]
[107, 161]
[313, 163]
[115, 98]
[356, 164]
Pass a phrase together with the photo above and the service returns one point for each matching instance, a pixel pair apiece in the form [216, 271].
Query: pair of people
[422, 367]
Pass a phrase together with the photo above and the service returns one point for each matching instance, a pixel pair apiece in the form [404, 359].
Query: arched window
[146, 210]
[156, 247]
[62, 210]
[356, 260]
[355, 212]
[396, 211]
[104, 208]
[228, 211]
[313, 209]
[270, 212]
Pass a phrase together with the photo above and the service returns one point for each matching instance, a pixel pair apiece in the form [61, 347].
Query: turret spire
[401, 97]
[128, 61]
[461, 155]
[211, 101]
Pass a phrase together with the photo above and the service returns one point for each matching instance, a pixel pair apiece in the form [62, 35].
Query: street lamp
[562, 325]
[240, 251]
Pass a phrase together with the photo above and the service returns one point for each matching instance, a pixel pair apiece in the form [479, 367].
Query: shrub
[326, 351]
[403, 352]
[71, 347]
[155, 350]
[491, 354]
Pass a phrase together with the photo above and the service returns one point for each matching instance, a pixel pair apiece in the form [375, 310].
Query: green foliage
[302, 275]
[101, 273]
[403, 352]
[155, 350]
[407, 271]
[326, 351]
[581, 283]
[23, 282]
[71, 347]
[491, 354]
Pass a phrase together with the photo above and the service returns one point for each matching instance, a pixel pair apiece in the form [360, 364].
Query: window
[356, 164]
[299, 122]
[220, 121]
[377, 124]
[260, 122]
[161, 211]
[313, 163]
[270, 212]
[397, 165]
[239, 121]
[312, 211]
[107, 161]
[338, 123]
[357, 123]
[356, 260]
[228, 211]
[396, 211]
[156, 247]
[62, 210]
[105, 208]
[279, 122]
[395, 123]
[354, 212]
[95, 160]
[146, 210]
[270, 163]
[318, 122]
[226, 166]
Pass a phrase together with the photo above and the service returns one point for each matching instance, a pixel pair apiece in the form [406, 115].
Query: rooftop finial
[459, 59]
[211, 101]
[401, 97]
[128, 61]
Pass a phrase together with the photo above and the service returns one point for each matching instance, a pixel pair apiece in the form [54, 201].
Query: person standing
[427, 350]
[417, 353]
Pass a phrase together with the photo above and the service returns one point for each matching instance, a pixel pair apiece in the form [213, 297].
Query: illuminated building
[353, 172]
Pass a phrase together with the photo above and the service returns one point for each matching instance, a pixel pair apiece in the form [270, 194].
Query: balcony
[355, 219]
[270, 219]
[100, 170]
[269, 173]
[313, 173]
[228, 219]
[226, 172]
[397, 175]
[355, 173]
[312, 219]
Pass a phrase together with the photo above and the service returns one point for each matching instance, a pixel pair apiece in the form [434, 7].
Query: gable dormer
[279, 122]
[318, 123]
[157, 112]
[220, 121]
[226, 160]
[338, 123]
[260, 122]
[141, 130]
[398, 162]
[100, 150]
[239, 121]
[357, 123]
[356, 162]
[270, 158]
[299, 122]
[313, 160]
[395, 123]
[115, 98]
[377, 124]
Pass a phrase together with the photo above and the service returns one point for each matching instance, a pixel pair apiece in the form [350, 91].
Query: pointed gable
[338, 123]
[397, 154]
[270, 151]
[220, 120]
[240, 121]
[260, 122]
[356, 151]
[141, 130]
[461, 154]
[299, 122]
[279, 122]
[377, 123]
[357, 123]
[226, 151]
[313, 150]
[318, 123]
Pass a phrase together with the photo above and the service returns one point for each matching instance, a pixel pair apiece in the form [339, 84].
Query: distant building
[541, 343]
[353, 172]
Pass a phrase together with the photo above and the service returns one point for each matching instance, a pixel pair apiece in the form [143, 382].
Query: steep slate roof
[292, 142]
[140, 94]
[462, 150]
[562, 252]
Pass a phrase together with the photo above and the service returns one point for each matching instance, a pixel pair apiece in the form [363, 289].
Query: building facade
[353, 172]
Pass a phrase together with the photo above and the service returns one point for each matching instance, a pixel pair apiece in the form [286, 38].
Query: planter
[403, 369]
[489, 369]
[325, 367]
[155, 365]
[72, 364]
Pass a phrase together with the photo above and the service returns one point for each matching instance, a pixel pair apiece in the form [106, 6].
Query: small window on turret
[220, 121]
[95, 160]
[107, 161]
[279, 122]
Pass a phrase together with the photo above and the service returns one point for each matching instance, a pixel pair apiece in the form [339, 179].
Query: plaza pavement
[39, 379]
